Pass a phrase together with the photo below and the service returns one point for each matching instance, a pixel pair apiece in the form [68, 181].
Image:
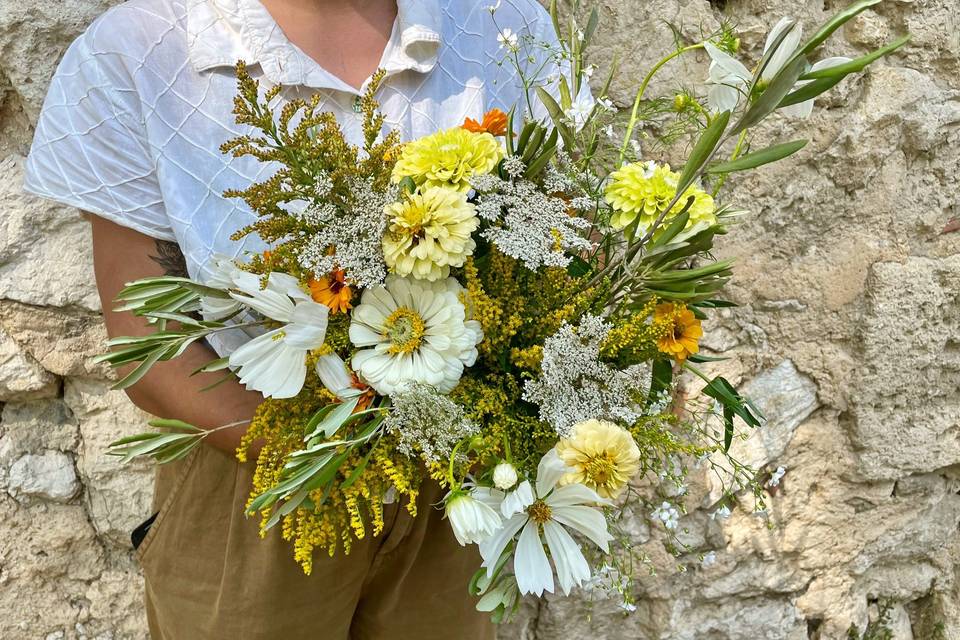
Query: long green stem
[643, 88]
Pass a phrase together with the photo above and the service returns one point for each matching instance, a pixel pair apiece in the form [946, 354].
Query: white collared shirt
[136, 112]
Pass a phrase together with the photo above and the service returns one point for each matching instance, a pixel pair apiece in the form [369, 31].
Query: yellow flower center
[600, 469]
[405, 330]
[539, 512]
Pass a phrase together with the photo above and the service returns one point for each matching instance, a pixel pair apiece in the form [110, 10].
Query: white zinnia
[729, 79]
[504, 476]
[413, 331]
[547, 508]
[472, 520]
[274, 363]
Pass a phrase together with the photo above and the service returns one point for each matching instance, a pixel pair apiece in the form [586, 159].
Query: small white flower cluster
[575, 385]
[610, 583]
[427, 423]
[528, 224]
[514, 166]
[356, 234]
[667, 514]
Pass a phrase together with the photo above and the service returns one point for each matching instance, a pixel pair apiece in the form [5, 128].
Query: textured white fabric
[141, 102]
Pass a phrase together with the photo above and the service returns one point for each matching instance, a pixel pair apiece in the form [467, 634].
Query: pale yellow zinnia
[428, 232]
[448, 158]
[643, 190]
[603, 456]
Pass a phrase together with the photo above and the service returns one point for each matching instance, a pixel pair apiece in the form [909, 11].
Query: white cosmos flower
[222, 277]
[545, 508]
[579, 112]
[472, 520]
[413, 331]
[274, 363]
[729, 79]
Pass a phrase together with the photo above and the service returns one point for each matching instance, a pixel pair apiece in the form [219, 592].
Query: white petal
[492, 548]
[722, 98]
[723, 61]
[517, 500]
[573, 494]
[588, 521]
[269, 366]
[786, 49]
[572, 567]
[333, 374]
[308, 327]
[530, 564]
[363, 336]
[549, 472]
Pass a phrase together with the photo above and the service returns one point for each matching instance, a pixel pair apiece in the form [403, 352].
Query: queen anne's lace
[528, 224]
[356, 234]
[427, 423]
[575, 385]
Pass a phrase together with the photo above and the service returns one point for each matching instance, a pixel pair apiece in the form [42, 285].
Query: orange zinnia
[683, 336]
[494, 122]
[332, 291]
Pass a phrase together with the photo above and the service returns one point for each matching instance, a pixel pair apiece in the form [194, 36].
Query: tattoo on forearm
[170, 257]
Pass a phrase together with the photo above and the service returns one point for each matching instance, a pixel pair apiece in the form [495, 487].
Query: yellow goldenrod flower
[643, 190]
[332, 291]
[604, 456]
[683, 339]
[430, 231]
[448, 158]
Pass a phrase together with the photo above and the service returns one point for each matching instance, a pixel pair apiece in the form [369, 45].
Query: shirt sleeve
[90, 149]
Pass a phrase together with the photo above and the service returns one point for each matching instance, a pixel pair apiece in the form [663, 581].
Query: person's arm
[121, 255]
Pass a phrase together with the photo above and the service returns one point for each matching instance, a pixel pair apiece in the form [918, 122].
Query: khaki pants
[210, 576]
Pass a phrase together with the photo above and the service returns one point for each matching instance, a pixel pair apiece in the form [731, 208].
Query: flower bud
[504, 476]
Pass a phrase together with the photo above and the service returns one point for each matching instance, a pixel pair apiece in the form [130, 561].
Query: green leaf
[856, 65]
[556, 114]
[214, 365]
[134, 376]
[703, 150]
[758, 158]
[661, 379]
[335, 419]
[533, 143]
[175, 425]
[578, 267]
[773, 95]
[508, 138]
[549, 150]
[835, 23]
[809, 91]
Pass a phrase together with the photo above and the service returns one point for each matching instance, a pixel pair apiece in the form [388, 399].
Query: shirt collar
[220, 32]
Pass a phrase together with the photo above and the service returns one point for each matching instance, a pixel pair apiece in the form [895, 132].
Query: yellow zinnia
[429, 232]
[683, 335]
[448, 158]
[645, 189]
[603, 456]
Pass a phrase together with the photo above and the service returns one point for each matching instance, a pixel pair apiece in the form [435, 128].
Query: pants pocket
[152, 527]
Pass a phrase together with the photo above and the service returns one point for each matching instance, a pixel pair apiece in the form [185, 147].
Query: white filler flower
[729, 79]
[472, 520]
[547, 509]
[275, 363]
[413, 331]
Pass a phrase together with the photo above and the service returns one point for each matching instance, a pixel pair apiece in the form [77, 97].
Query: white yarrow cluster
[530, 225]
[575, 385]
[356, 234]
[427, 423]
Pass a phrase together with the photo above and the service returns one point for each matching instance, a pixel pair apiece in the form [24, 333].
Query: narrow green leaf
[758, 158]
[858, 64]
[773, 95]
[703, 150]
[835, 23]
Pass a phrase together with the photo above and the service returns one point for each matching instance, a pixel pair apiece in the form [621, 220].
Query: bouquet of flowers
[504, 308]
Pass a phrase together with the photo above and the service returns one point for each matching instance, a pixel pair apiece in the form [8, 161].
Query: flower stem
[643, 88]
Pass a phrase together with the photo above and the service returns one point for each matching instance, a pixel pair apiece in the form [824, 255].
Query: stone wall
[848, 337]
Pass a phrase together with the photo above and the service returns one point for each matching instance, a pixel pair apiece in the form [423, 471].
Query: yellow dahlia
[643, 190]
[429, 232]
[448, 158]
[684, 333]
[603, 456]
